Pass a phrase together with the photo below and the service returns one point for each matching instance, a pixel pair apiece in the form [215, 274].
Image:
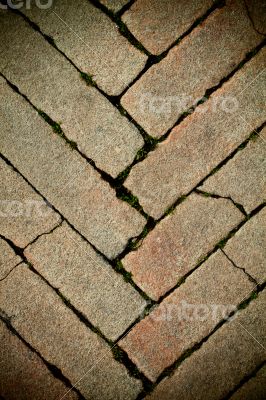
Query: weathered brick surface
[243, 177]
[23, 375]
[8, 259]
[254, 389]
[257, 12]
[54, 86]
[62, 339]
[92, 41]
[82, 276]
[186, 316]
[23, 213]
[222, 362]
[202, 140]
[247, 248]
[199, 62]
[157, 24]
[114, 5]
[64, 178]
[177, 243]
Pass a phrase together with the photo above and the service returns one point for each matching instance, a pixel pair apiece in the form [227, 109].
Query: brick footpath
[132, 200]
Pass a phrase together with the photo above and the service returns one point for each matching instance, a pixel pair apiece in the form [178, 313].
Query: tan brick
[199, 62]
[177, 243]
[202, 140]
[254, 389]
[8, 259]
[53, 85]
[248, 188]
[58, 335]
[23, 375]
[23, 213]
[157, 24]
[186, 316]
[64, 178]
[114, 5]
[230, 354]
[92, 41]
[247, 247]
[257, 12]
[65, 260]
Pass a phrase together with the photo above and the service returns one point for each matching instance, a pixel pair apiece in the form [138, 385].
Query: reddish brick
[202, 140]
[199, 62]
[23, 375]
[177, 243]
[44, 321]
[157, 24]
[229, 355]
[247, 247]
[186, 316]
[247, 189]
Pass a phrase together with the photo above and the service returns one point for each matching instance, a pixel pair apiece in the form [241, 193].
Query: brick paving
[132, 200]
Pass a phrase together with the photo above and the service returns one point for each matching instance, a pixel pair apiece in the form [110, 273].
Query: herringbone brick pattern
[132, 200]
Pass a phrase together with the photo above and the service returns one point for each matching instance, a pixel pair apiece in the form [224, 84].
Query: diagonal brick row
[45, 322]
[233, 352]
[92, 41]
[54, 86]
[8, 259]
[71, 265]
[64, 178]
[20, 365]
[203, 140]
[198, 63]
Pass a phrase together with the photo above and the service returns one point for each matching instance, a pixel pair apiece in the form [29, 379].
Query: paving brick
[8, 259]
[23, 213]
[82, 276]
[177, 243]
[230, 354]
[254, 389]
[202, 140]
[92, 41]
[248, 188]
[157, 24]
[23, 375]
[199, 62]
[257, 12]
[186, 316]
[114, 5]
[64, 178]
[53, 85]
[58, 335]
[247, 248]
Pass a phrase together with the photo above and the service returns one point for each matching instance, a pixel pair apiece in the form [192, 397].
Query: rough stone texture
[222, 362]
[202, 140]
[199, 62]
[157, 24]
[257, 12]
[247, 248]
[23, 213]
[254, 389]
[62, 339]
[53, 85]
[64, 178]
[177, 243]
[243, 177]
[65, 260]
[186, 316]
[114, 5]
[92, 41]
[23, 375]
[8, 259]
